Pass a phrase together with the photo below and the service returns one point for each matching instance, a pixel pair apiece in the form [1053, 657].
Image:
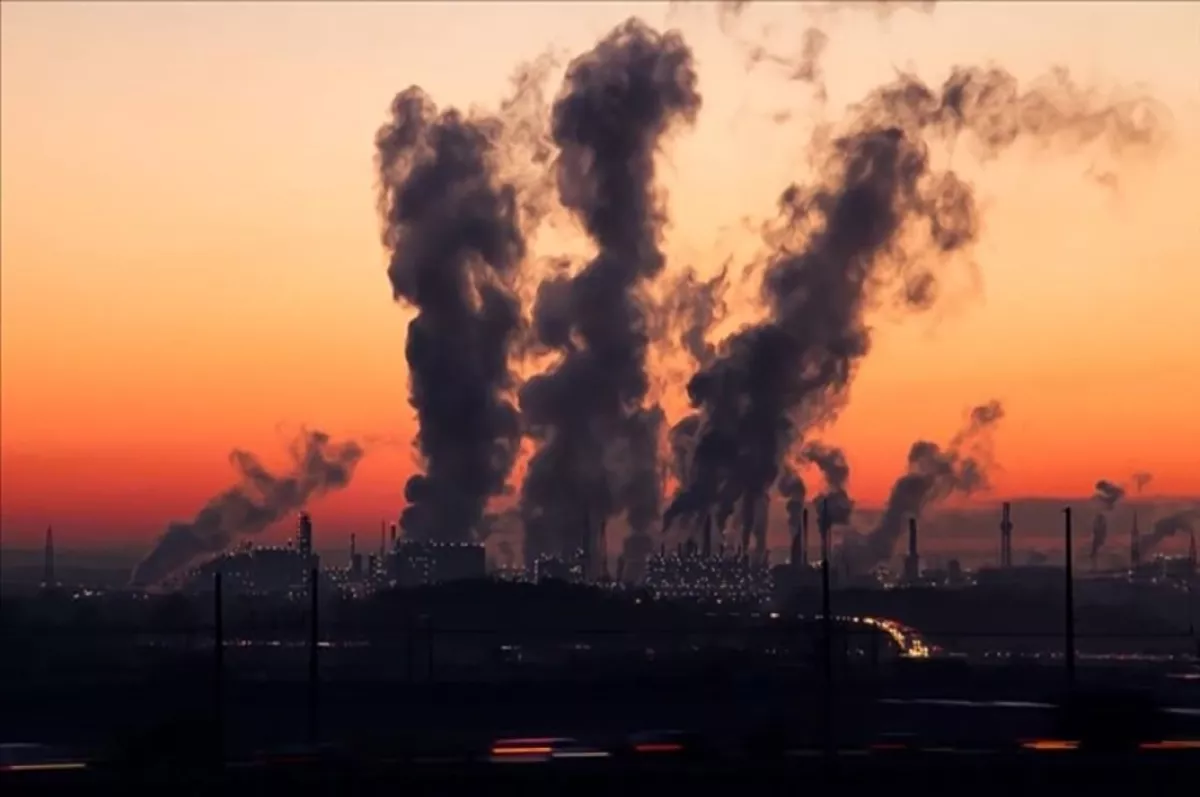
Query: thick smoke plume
[835, 470]
[933, 475]
[1169, 526]
[259, 499]
[1107, 494]
[875, 224]
[597, 439]
[455, 241]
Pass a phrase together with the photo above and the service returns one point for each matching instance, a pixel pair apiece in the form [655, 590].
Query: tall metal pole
[219, 666]
[827, 629]
[313, 638]
[1069, 603]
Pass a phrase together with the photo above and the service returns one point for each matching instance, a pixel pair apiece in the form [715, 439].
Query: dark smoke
[830, 460]
[875, 224]
[791, 488]
[259, 499]
[1141, 479]
[692, 307]
[933, 475]
[456, 244]
[1108, 494]
[1169, 526]
[597, 442]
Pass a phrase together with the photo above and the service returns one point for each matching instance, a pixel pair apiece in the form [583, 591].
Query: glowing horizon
[191, 261]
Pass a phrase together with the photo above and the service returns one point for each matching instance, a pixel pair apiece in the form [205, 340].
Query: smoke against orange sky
[191, 257]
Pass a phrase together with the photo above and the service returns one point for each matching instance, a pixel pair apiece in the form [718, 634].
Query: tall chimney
[804, 537]
[1006, 527]
[708, 532]
[912, 563]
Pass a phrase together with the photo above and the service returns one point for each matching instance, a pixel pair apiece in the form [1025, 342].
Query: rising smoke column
[1141, 479]
[876, 223]
[835, 470]
[933, 475]
[258, 499]
[587, 411]
[455, 244]
[1107, 494]
[1169, 526]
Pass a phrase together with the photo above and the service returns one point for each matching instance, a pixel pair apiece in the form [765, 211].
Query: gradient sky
[190, 253]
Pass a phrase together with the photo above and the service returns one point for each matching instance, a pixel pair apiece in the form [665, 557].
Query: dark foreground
[1033, 772]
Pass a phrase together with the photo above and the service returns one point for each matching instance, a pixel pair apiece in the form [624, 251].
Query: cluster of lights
[715, 577]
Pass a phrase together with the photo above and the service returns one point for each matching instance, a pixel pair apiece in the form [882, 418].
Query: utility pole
[1069, 603]
[313, 640]
[219, 666]
[827, 632]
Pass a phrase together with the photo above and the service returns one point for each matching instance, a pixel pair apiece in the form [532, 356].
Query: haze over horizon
[191, 259]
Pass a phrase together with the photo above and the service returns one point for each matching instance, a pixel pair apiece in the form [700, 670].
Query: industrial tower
[1006, 528]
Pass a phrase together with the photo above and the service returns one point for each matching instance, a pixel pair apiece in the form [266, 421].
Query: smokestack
[48, 572]
[708, 532]
[912, 564]
[1192, 553]
[1006, 528]
[824, 526]
[393, 536]
[804, 537]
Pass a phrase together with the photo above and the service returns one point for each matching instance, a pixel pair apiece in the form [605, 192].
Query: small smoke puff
[258, 500]
[1108, 494]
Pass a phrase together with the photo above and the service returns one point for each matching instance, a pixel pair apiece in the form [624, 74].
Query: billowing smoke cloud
[259, 499]
[876, 224]
[791, 488]
[1141, 479]
[455, 241]
[1169, 526]
[1108, 494]
[933, 475]
[692, 307]
[836, 472]
[597, 441]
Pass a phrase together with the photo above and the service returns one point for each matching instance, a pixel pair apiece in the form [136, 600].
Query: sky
[191, 259]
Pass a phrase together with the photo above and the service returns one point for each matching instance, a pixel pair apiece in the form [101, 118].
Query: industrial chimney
[912, 563]
[1006, 528]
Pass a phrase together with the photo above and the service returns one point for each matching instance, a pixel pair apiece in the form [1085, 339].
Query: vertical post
[1069, 603]
[313, 639]
[827, 631]
[219, 667]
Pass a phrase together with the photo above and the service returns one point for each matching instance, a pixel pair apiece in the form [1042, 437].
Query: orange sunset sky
[191, 259]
